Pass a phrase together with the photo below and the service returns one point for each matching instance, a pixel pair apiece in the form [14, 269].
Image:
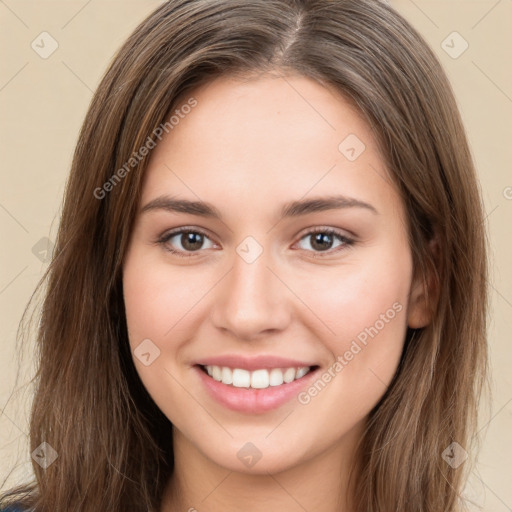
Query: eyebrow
[291, 209]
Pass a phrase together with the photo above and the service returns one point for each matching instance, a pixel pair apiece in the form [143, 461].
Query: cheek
[363, 312]
[355, 296]
[157, 302]
[157, 297]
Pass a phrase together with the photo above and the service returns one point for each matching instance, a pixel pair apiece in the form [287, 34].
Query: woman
[269, 285]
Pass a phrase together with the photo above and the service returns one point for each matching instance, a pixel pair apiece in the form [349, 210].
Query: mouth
[256, 379]
[254, 392]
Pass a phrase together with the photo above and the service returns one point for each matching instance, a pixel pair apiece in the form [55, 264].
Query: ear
[424, 294]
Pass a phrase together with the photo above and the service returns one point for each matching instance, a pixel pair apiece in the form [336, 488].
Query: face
[265, 273]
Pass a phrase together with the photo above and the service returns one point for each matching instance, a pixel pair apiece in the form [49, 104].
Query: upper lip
[253, 363]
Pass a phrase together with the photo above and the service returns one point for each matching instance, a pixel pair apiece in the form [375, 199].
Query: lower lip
[251, 400]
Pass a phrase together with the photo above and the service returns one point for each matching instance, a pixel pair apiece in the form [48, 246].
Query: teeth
[301, 372]
[258, 379]
[226, 375]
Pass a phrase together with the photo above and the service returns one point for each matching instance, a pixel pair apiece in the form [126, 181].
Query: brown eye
[183, 241]
[191, 241]
[322, 240]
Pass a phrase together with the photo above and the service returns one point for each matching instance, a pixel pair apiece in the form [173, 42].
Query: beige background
[42, 105]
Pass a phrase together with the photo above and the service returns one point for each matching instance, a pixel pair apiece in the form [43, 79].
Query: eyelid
[315, 228]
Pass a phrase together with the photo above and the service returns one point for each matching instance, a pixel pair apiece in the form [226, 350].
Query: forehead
[250, 143]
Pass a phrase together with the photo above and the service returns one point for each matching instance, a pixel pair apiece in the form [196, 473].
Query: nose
[252, 301]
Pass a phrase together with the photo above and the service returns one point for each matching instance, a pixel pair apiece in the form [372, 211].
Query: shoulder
[12, 508]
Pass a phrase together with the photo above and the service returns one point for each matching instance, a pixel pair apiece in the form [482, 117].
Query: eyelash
[347, 242]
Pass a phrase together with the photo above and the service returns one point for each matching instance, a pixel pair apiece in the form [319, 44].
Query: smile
[257, 391]
[257, 379]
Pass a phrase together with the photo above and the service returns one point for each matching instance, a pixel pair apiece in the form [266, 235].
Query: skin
[248, 147]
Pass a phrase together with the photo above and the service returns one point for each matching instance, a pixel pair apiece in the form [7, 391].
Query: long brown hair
[114, 445]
